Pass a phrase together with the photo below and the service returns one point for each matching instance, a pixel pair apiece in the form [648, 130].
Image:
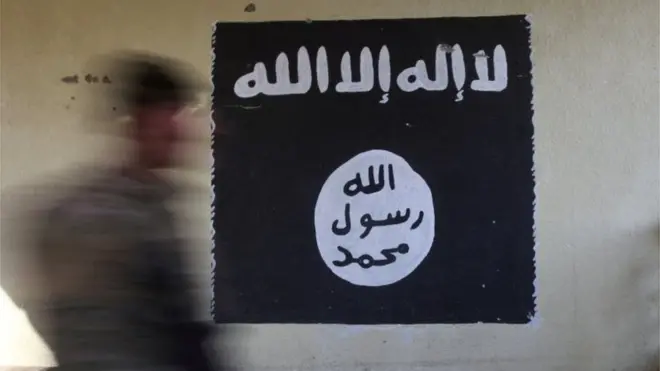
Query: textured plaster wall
[597, 165]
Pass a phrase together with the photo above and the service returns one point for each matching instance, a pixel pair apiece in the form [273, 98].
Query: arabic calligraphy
[373, 212]
[368, 222]
[408, 80]
[347, 224]
[256, 82]
[355, 186]
[367, 261]
[374, 184]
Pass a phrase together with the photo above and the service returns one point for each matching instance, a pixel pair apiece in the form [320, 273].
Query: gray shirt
[114, 268]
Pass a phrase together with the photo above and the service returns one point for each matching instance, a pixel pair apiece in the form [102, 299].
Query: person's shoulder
[90, 199]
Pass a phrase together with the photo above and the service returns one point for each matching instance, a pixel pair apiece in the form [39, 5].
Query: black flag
[374, 171]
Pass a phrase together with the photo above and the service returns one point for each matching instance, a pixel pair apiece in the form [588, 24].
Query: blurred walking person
[116, 295]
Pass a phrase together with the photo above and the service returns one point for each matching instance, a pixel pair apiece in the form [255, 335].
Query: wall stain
[73, 79]
[250, 8]
[88, 78]
[91, 79]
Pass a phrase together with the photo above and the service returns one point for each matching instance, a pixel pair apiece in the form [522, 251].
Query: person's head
[155, 92]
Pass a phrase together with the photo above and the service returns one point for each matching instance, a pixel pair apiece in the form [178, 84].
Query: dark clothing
[118, 296]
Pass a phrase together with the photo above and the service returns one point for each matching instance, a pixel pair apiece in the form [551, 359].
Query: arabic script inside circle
[374, 219]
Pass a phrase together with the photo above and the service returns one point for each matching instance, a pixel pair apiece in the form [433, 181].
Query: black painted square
[474, 149]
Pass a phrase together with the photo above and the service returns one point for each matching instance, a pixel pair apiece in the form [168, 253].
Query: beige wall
[597, 163]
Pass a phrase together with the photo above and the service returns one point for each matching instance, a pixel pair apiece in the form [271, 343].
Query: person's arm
[188, 334]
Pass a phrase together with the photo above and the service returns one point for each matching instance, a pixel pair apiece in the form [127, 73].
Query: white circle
[391, 220]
